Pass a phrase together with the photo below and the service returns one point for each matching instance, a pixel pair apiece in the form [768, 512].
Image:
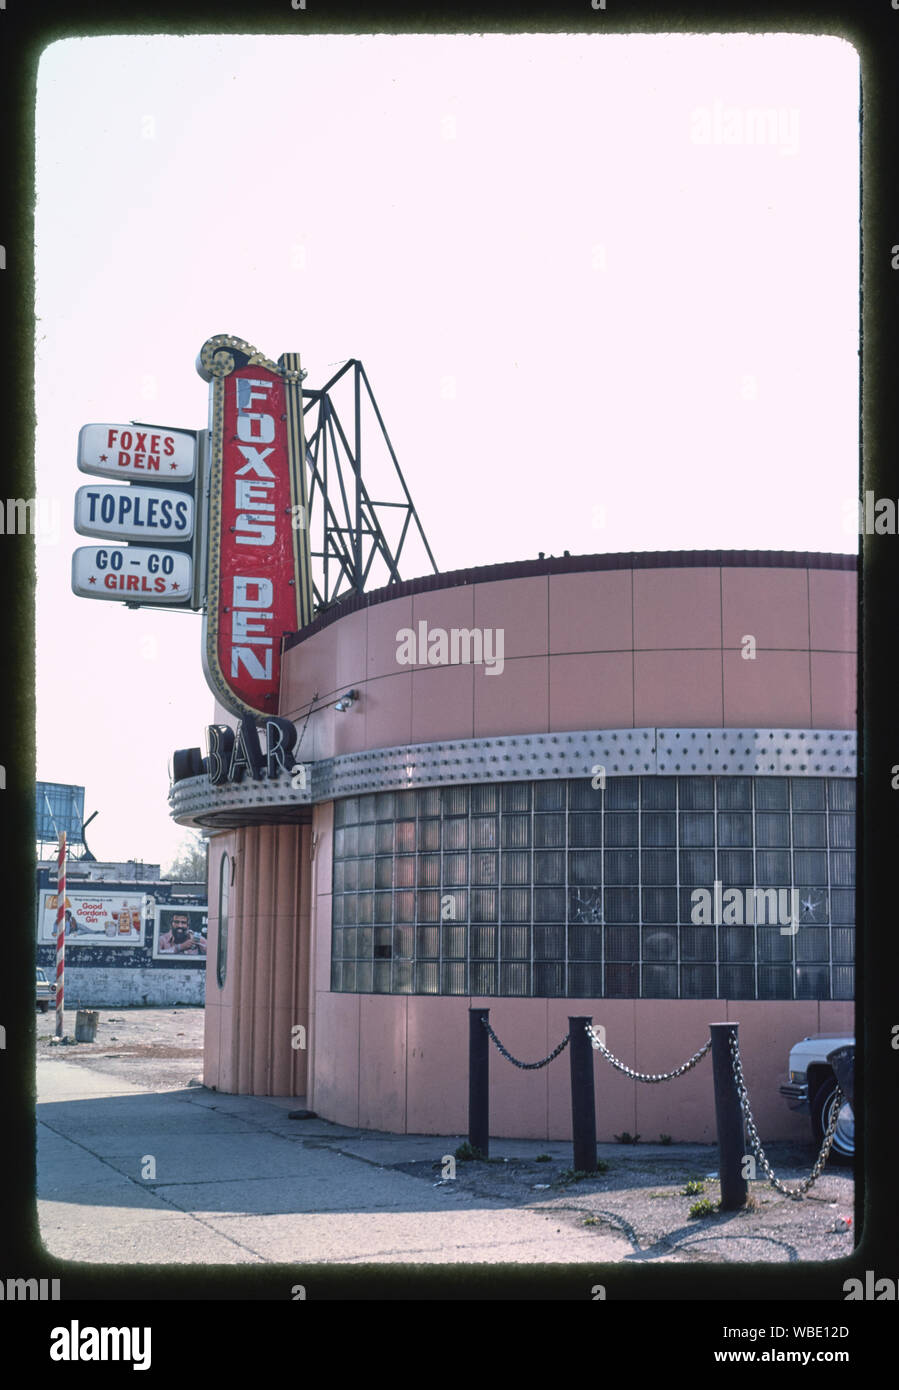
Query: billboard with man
[180, 933]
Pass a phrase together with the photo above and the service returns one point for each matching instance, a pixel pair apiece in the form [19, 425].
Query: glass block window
[734, 828]
[772, 794]
[696, 793]
[808, 793]
[698, 828]
[697, 866]
[772, 828]
[653, 887]
[735, 866]
[549, 831]
[658, 828]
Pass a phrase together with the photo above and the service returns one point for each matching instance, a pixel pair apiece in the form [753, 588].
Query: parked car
[811, 1089]
[46, 991]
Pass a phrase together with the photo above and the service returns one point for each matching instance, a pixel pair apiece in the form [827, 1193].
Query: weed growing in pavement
[467, 1153]
[570, 1175]
[543, 1158]
[693, 1188]
[664, 1138]
[703, 1208]
[626, 1138]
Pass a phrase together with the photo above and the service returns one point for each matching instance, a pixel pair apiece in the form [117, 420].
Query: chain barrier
[527, 1066]
[753, 1133]
[643, 1075]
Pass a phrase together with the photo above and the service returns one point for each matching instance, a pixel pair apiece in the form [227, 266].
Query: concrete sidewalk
[195, 1177]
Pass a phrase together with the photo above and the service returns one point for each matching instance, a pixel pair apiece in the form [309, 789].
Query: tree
[189, 865]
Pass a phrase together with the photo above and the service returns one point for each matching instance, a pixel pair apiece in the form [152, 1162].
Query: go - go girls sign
[258, 580]
[114, 572]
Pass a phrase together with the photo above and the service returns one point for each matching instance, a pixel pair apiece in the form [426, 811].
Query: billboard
[94, 918]
[180, 932]
[59, 806]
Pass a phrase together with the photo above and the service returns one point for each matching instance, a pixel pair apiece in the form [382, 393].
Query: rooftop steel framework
[347, 526]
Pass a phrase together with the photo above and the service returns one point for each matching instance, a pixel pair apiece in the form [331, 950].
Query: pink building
[552, 788]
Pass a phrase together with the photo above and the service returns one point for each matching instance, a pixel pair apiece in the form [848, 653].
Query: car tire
[842, 1150]
[43, 1006]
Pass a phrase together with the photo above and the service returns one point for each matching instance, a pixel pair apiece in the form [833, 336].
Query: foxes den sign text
[259, 585]
[126, 451]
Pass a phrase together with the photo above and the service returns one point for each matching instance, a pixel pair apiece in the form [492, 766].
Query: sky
[605, 289]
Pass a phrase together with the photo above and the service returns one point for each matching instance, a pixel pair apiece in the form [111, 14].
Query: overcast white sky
[598, 312]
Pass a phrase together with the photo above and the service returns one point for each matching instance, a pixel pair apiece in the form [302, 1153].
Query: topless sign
[259, 583]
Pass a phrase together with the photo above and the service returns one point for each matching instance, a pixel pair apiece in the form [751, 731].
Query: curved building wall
[692, 646]
[623, 648]
[257, 991]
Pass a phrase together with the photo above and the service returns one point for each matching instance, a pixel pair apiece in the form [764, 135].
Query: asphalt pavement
[129, 1174]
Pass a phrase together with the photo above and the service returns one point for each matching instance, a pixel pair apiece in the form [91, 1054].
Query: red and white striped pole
[60, 929]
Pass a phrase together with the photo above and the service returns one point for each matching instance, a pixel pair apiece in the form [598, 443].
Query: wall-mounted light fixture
[346, 701]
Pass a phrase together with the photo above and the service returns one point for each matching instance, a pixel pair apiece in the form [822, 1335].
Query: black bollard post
[478, 1079]
[842, 1059]
[728, 1118]
[583, 1106]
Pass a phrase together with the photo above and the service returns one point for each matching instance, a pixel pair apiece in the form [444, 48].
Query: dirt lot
[161, 1049]
[641, 1194]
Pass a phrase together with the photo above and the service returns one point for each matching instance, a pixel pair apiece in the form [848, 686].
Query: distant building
[131, 936]
[109, 871]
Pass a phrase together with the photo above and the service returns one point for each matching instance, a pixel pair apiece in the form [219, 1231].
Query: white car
[812, 1088]
[45, 990]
